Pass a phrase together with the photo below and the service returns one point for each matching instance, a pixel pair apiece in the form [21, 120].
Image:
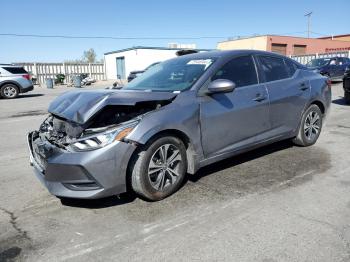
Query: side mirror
[221, 86]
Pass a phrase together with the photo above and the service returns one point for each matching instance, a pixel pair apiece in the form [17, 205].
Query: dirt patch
[12, 245]
[14, 224]
[10, 254]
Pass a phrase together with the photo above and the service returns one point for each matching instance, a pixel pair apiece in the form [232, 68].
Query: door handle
[303, 86]
[259, 98]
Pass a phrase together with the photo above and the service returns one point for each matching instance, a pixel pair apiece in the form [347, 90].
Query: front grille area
[41, 161]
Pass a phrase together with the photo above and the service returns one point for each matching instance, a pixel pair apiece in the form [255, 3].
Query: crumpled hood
[80, 106]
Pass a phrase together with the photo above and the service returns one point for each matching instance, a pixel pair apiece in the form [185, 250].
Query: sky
[208, 21]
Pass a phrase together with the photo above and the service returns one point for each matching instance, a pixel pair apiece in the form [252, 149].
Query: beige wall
[339, 38]
[257, 43]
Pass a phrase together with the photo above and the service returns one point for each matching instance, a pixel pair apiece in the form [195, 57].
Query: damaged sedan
[177, 117]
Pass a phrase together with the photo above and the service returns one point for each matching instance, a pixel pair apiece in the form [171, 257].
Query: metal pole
[308, 23]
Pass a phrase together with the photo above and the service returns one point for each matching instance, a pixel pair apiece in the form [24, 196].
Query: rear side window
[343, 61]
[273, 68]
[291, 67]
[15, 70]
[240, 70]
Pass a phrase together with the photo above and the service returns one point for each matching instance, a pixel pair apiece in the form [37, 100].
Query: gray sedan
[180, 115]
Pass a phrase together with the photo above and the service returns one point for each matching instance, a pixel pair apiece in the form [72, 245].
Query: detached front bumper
[90, 175]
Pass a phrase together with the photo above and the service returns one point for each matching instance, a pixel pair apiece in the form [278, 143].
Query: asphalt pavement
[277, 203]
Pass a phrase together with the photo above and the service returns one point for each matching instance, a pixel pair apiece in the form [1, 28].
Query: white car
[13, 81]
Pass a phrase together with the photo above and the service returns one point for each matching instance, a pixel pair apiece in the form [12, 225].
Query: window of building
[299, 49]
[240, 70]
[279, 48]
[273, 68]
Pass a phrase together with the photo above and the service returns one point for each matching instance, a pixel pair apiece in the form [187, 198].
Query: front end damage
[88, 158]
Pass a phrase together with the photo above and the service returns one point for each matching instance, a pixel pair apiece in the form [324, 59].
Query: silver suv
[14, 80]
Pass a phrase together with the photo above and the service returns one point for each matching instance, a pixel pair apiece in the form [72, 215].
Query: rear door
[230, 121]
[288, 93]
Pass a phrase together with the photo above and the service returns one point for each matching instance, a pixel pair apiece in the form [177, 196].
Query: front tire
[159, 168]
[9, 91]
[310, 127]
[347, 97]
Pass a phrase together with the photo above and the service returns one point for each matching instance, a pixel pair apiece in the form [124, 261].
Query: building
[337, 37]
[287, 45]
[121, 62]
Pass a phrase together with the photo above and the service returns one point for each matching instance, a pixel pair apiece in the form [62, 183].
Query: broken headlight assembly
[104, 138]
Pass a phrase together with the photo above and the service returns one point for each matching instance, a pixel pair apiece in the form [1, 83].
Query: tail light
[26, 76]
[329, 83]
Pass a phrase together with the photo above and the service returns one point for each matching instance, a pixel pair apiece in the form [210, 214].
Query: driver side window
[240, 70]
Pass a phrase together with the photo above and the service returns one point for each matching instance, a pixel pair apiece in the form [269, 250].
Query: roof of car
[151, 47]
[222, 53]
[10, 65]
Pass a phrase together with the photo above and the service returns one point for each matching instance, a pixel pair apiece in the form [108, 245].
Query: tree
[90, 56]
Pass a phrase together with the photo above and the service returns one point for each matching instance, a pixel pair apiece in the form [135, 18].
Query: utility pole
[308, 23]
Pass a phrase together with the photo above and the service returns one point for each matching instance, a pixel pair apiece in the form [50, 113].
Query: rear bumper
[26, 89]
[87, 175]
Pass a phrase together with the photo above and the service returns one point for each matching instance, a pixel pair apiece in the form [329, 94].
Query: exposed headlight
[103, 139]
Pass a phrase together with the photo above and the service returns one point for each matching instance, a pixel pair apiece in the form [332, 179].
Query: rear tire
[347, 97]
[9, 91]
[310, 127]
[158, 169]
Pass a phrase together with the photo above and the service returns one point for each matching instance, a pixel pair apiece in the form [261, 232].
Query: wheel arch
[319, 104]
[192, 162]
[11, 82]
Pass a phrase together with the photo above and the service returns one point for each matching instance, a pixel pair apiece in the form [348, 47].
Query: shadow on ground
[28, 95]
[278, 165]
[240, 159]
[340, 101]
[100, 203]
[30, 113]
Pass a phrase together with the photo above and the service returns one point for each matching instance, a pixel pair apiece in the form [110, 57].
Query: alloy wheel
[10, 91]
[164, 167]
[312, 125]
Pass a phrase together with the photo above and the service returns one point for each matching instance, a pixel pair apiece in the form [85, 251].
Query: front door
[121, 67]
[230, 121]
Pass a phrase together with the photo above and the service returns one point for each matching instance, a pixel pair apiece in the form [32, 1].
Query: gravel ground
[277, 203]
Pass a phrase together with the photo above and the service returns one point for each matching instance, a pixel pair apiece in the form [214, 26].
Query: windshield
[318, 62]
[173, 75]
